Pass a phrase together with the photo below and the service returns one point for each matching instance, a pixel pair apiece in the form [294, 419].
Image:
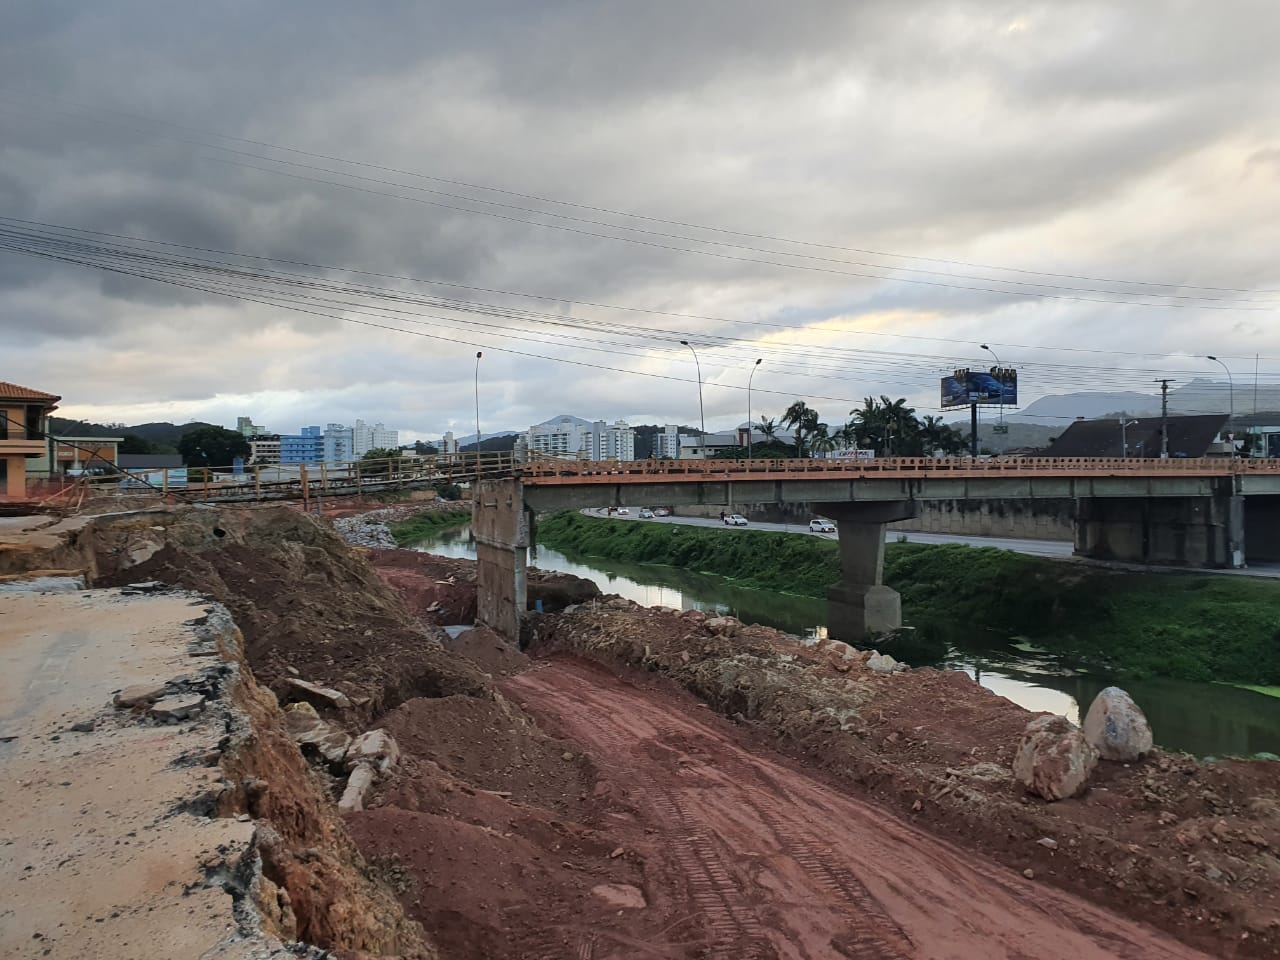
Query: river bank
[1185, 626]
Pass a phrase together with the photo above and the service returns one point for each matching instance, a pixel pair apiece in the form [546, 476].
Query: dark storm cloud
[1054, 135]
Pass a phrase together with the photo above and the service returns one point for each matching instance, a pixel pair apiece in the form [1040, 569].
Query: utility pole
[1164, 417]
[973, 429]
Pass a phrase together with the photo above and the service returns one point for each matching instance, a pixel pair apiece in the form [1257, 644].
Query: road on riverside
[1056, 549]
[776, 865]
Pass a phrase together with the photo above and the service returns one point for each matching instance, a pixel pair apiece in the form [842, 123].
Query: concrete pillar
[1168, 531]
[501, 528]
[860, 606]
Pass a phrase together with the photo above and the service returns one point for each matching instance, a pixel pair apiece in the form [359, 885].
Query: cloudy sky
[858, 194]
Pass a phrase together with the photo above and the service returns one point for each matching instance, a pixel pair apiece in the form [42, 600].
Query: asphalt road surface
[1055, 549]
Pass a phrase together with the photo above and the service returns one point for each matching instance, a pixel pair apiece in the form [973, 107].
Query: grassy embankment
[423, 526]
[1189, 626]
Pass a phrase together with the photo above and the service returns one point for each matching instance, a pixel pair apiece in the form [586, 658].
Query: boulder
[620, 895]
[1054, 759]
[725, 626]
[1116, 727]
[883, 663]
[375, 747]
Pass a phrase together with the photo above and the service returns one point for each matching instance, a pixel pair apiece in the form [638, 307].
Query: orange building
[24, 425]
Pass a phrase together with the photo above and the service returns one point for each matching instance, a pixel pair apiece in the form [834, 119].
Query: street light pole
[702, 417]
[479, 354]
[1125, 424]
[1231, 408]
[750, 425]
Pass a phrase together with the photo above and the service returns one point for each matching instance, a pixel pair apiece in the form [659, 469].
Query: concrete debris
[1117, 727]
[358, 785]
[313, 692]
[173, 709]
[1054, 759]
[83, 726]
[375, 747]
[139, 694]
[1048, 843]
[621, 895]
[366, 530]
[308, 730]
[725, 626]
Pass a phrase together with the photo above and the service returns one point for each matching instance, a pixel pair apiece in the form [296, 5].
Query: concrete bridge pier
[1192, 531]
[860, 606]
[500, 524]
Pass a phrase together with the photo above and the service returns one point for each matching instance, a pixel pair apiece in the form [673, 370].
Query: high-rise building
[338, 443]
[306, 446]
[247, 428]
[567, 437]
[448, 443]
[376, 437]
[667, 443]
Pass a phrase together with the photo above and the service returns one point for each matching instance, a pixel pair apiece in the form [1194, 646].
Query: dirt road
[772, 864]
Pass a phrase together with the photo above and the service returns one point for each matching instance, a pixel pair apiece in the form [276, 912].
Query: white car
[822, 526]
[735, 520]
[646, 514]
[623, 512]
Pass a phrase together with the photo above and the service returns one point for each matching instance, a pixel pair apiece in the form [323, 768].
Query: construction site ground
[636, 783]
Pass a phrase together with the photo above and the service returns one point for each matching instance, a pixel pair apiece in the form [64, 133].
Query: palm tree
[821, 441]
[768, 428]
[803, 419]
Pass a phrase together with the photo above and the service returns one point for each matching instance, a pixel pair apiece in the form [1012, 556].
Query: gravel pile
[366, 530]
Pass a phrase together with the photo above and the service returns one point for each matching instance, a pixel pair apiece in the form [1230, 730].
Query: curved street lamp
[1231, 403]
[750, 425]
[701, 415]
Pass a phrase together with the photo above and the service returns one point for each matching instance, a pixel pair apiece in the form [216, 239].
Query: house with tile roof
[24, 427]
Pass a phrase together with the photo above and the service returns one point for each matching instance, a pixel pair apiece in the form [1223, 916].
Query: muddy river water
[1202, 718]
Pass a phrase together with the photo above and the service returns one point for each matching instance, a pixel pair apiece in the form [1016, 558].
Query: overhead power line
[610, 211]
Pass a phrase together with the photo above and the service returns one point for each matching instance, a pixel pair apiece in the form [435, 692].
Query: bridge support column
[1167, 531]
[501, 529]
[860, 606]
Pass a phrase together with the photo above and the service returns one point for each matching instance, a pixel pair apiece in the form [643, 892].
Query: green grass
[424, 526]
[1184, 625]
[1266, 691]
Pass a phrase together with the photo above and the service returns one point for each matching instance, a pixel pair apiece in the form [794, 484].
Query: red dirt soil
[765, 861]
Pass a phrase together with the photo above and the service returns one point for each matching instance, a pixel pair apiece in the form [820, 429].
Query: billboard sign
[999, 386]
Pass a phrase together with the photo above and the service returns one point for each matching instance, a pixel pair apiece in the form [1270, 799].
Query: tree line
[888, 427]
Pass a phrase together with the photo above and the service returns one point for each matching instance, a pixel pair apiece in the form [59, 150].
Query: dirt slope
[773, 864]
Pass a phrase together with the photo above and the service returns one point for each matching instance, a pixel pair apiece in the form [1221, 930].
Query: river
[1205, 719]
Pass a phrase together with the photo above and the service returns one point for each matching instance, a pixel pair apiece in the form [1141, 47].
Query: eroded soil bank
[643, 783]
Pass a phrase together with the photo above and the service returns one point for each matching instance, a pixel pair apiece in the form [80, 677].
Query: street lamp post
[750, 425]
[1125, 424]
[479, 354]
[702, 417]
[1231, 404]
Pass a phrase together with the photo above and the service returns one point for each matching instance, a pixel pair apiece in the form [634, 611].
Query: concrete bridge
[1186, 512]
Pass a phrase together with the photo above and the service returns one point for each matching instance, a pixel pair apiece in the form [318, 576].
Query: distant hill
[159, 437]
[1063, 408]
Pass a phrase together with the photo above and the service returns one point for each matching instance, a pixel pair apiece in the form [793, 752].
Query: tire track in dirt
[779, 866]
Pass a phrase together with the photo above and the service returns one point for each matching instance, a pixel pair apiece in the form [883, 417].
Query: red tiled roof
[13, 391]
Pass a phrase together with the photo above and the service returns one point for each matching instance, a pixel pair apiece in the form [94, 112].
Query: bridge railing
[304, 480]
[570, 471]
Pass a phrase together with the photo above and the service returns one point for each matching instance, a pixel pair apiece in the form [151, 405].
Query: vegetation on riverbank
[1184, 625]
[423, 526]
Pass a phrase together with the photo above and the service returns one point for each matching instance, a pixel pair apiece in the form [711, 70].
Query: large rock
[1117, 727]
[1054, 759]
[883, 663]
[318, 695]
[358, 785]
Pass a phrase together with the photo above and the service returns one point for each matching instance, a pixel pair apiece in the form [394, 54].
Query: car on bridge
[821, 525]
[661, 512]
[646, 513]
[735, 520]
